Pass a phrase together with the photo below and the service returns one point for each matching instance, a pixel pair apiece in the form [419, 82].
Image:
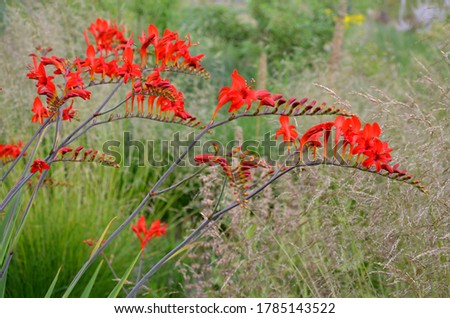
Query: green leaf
[250, 233]
[124, 278]
[88, 289]
[53, 284]
[102, 237]
[6, 237]
[3, 284]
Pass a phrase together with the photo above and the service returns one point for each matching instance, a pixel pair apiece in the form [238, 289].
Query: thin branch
[5, 267]
[178, 183]
[95, 114]
[30, 202]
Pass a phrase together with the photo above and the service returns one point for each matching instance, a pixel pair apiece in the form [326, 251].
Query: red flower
[313, 132]
[347, 127]
[74, 80]
[265, 98]
[312, 135]
[45, 83]
[145, 40]
[58, 62]
[193, 61]
[210, 159]
[40, 112]
[287, 131]
[107, 35]
[128, 69]
[238, 94]
[367, 138]
[156, 229]
[64, 150]
[39, 165]
[68, 113]
[77, 92]
[204, 158]
[378, 155]
[10, 151]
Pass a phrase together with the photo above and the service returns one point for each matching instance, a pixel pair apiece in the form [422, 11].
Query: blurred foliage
[293, 29]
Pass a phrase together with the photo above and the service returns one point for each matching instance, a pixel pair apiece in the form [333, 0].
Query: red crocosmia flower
[58, 62]
[265, 98]
[68, 113]
[33, 69]
[77, 92]
[107, 35]
[39, 165]
[193, 61]
[312, 135]
[204, 158]
[178, 107]
[90, 56]
[145, 40]
[157, 229]
[40, 112]
[316, 130]
[288, 132]
[378, 155]
[347, 127]
[73, 79]
[238, 94]
[210, 159]
[64, 150]
[366, 138]
[45, 83]
[11, 151]
[128, 69]
[145, 235]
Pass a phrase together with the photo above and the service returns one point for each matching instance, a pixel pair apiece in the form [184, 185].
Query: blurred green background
[319, 233]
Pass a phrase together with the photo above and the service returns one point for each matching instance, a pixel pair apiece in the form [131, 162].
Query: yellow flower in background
[357, 19]
[328, 11]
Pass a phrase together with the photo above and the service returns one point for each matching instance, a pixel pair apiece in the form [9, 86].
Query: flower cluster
[169, 49]
[145, 235]
[110, 59]
[71, 85]
[161, 94]
[80, 154]
[364, 143]
[9, 152]
[237, 167]
[240, 94]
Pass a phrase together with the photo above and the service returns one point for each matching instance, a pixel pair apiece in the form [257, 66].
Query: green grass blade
[102, 237]
[88, 289]
[97, 246]
[53, 284]
[122, 281]
[6, 233]
[3, 284]
[187, 247]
